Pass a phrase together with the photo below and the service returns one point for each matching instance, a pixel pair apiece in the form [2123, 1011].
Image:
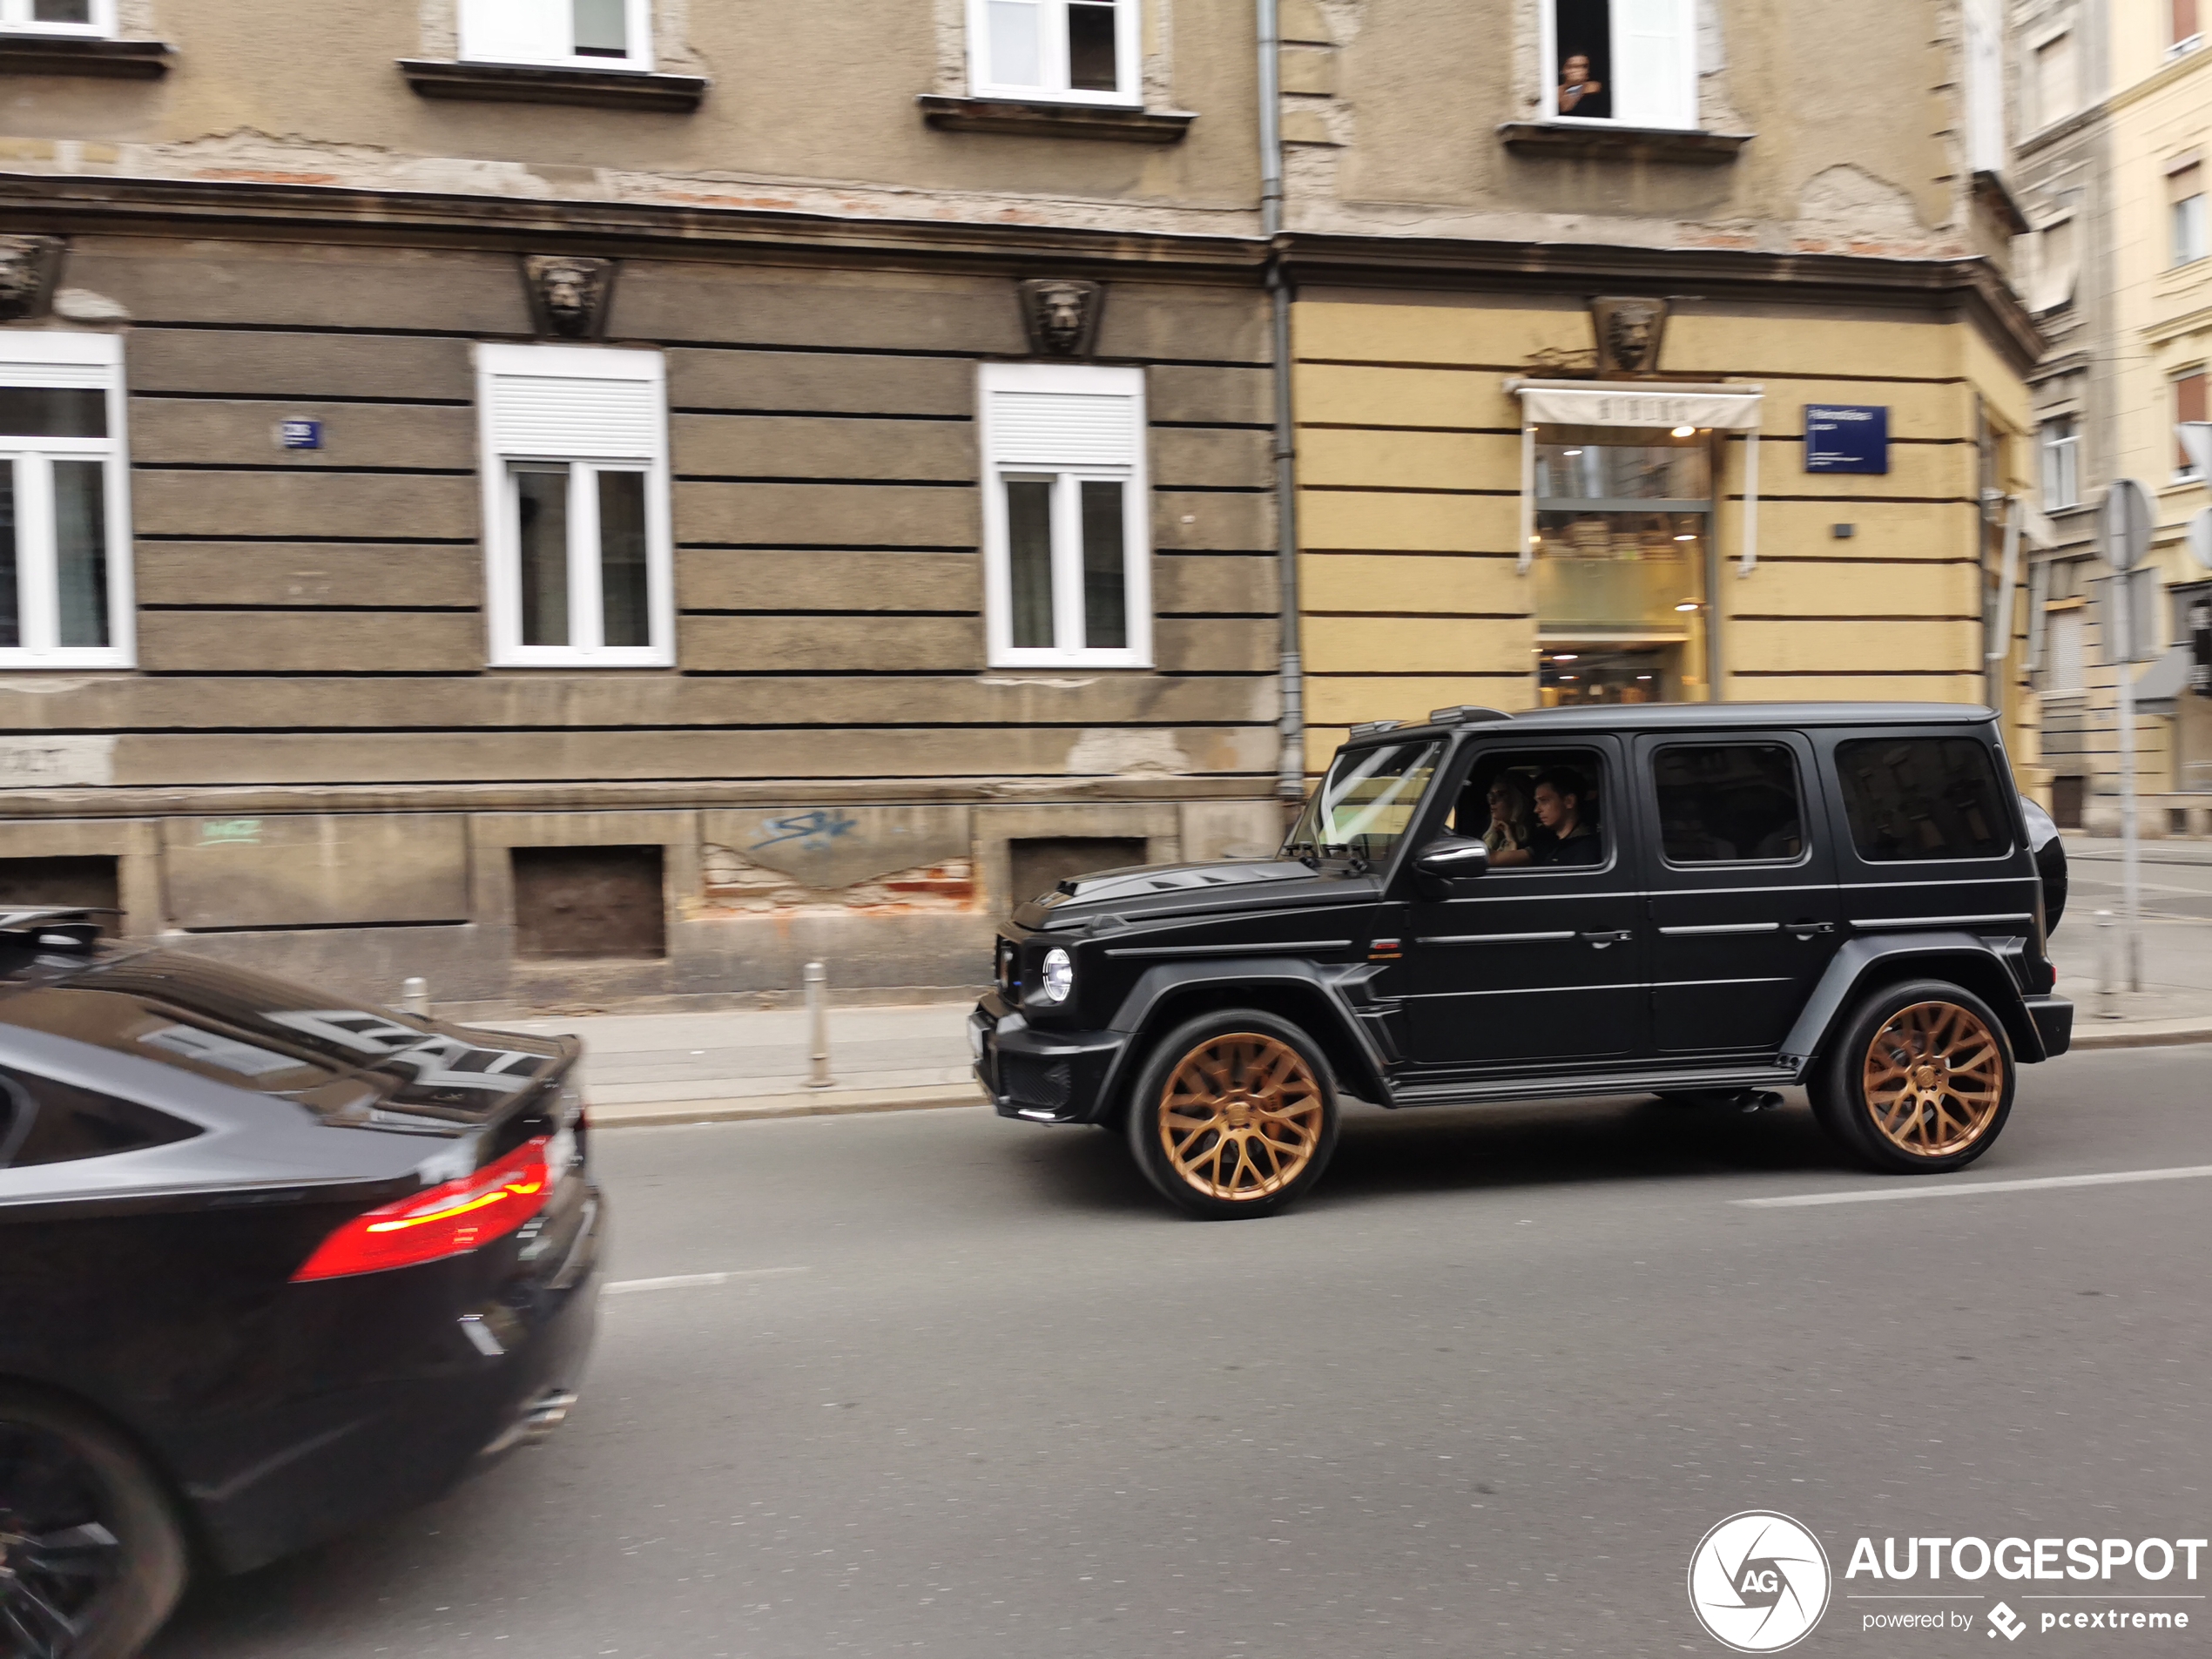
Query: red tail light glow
[449, 1219]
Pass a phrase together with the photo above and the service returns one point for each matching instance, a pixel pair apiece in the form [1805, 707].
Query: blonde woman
[1511, 827]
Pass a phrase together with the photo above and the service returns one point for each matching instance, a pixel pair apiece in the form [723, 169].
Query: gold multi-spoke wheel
[1933, 1079]
[1919, 1078]
[1233, 1114]
[1241, 1116]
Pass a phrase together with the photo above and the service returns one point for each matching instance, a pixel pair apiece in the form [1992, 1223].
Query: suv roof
[1640, 717]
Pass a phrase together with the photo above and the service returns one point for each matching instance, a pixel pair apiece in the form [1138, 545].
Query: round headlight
[1059, 976]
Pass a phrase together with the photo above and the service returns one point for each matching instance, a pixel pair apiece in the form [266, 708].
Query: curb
[830, 1103]
[2139, 1034]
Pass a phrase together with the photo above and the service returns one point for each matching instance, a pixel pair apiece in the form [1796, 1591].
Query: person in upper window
[1511, 828]
[1578, 94]
[1564, 834]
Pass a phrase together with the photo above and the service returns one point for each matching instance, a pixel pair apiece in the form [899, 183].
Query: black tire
[1936, 1096]
[1258, 1089]
[100, 1544]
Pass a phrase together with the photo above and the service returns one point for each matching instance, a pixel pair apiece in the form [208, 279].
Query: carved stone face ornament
[1629, 333]
[1062, 315]
[568, 295]
[29, 266]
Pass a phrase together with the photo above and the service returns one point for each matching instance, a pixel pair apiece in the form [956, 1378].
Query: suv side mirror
[1452, 858]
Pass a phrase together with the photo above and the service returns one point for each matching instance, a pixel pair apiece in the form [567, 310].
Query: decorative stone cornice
[1022, 119]
[597, 89]
[1622, 143]
[127, 60]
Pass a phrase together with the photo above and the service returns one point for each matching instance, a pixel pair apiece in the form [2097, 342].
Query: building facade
[2116, 111]
[580, 499]
[1602, 315]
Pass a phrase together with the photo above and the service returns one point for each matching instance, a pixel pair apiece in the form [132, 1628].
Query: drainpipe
[1289, 783]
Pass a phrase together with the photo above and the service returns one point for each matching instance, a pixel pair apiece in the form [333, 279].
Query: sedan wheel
[90, 1557]
[1233, 1115]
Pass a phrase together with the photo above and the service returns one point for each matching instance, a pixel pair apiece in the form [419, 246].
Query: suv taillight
[449, 1219]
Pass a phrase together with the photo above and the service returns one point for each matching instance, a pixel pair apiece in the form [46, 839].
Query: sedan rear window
[45, 1121]
[1923, 798]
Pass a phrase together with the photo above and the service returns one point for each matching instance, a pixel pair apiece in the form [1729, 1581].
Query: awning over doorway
[1643, 404]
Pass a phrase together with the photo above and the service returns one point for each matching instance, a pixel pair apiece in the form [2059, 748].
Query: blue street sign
[1847, 437]
[300, 434]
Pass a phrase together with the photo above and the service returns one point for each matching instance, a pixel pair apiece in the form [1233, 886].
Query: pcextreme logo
[1759, 1581]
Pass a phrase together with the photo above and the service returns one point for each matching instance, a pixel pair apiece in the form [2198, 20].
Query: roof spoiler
[53, 927]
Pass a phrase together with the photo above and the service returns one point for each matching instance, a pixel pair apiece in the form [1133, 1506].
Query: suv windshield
[1365, 803]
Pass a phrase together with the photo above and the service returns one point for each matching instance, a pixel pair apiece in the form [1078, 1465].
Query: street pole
[816, 980]
[2130, 876]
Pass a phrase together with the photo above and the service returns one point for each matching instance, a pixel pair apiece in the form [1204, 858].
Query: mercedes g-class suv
[1700, 901]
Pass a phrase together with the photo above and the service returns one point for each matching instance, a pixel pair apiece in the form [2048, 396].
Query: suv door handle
[1807, 929]
[1601, 940]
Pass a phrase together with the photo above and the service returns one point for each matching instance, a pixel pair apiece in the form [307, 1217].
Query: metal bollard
[414, 997]
[2107, 973]
[817, 982]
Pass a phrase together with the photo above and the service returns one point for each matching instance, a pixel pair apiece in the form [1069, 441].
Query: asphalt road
[972, 1391]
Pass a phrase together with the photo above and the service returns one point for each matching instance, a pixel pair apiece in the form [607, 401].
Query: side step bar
[1592, 1083]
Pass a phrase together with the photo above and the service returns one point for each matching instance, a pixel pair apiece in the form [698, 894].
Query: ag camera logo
[1760, 1582]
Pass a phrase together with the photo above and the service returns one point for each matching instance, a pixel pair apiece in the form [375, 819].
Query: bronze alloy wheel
[1933, 1079]
[1241, 1116]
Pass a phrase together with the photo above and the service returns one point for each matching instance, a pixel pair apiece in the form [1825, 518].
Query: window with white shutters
[1070, 51]
[1633, 62]
[1066, 539]
[57, 16]
[64, 502]
[577, 541]
[570, 34]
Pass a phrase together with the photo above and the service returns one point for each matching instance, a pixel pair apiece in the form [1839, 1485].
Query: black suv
[1704, 902]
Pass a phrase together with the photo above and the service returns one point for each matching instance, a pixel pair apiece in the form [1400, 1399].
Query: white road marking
[686, 1281]
[1962, 1189]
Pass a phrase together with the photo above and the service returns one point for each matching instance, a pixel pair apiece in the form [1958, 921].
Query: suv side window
[45, 1121]
[1537, 808]
[1923, 798]
[1729, 803]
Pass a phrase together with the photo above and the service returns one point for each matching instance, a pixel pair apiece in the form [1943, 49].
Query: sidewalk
[2176, 931]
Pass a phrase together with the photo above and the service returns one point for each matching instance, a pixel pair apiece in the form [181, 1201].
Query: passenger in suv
[1852, 898]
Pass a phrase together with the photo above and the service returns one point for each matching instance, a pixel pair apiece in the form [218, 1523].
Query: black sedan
[271, 1263]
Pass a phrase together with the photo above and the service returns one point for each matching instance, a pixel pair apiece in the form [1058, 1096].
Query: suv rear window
[45, 1121]
[1923, 798]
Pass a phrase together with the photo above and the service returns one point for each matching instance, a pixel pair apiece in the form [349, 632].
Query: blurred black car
[271, 1263]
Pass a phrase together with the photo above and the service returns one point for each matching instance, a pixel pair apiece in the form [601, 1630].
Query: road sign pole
[2123, 621]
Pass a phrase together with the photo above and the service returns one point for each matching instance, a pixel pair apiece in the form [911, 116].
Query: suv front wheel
[1919, 1080]
[1234, 1113]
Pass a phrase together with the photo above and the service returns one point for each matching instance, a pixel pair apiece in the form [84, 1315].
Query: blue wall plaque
[1847, 437]
[300, 434]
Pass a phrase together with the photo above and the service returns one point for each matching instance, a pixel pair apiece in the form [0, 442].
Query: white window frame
[1087, 379]
[1983, 48]
[474, 27]
[1052, 48]
[2044, 115]
[1679, 99]
[2061, 463]
[2184, 468]
[2181, 249]
[15, 18]
[46, 358]
[503, 551]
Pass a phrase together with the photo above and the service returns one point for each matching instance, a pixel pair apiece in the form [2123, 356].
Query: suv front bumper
[1046, 1076]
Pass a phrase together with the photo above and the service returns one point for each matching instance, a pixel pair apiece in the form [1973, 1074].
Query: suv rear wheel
[1919, 1080]
[1234, 1113]
[91, 1558]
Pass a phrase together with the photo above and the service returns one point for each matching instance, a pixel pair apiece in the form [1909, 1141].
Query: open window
[1071, 52]
[575, 465]
[1633, 62]
[93, 18]
[1066, 535]
[1536, 809]
[64, 502]
[566, 34]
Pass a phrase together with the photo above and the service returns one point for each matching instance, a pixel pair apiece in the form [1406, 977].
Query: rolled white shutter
[563, 416]
[95, 376]
[1054, 430]
[1655, 82]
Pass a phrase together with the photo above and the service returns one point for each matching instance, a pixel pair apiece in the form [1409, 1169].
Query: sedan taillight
[449, 1219]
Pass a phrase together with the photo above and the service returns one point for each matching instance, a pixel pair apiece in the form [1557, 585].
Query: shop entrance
[1623, 543]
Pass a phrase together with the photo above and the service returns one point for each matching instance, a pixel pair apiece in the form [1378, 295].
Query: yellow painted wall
[1409, 458]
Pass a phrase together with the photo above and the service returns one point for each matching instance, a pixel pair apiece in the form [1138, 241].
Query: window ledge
[1048, 120]
[124, 60]
[1992, 192]
[598, 89]
[1623, 144]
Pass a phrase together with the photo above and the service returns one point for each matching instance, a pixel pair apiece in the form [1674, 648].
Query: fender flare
[1838, 989]
[1345, 1039]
